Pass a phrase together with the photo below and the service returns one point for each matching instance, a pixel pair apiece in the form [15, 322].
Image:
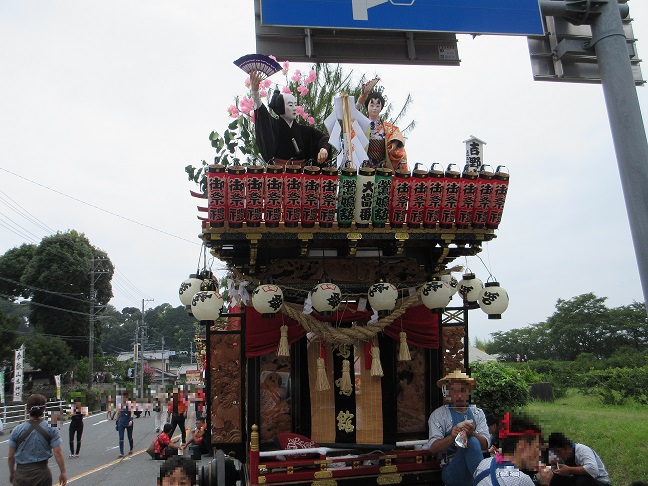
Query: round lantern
[469, 288]
[435, 294]
[206, 305]
[493, 300]
[188, 289]
[267, 299]
[451, 282]
[382, 297]
[326, 297]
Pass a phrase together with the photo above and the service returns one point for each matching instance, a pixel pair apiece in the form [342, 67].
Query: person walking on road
[76, 427]
[160, 411]
[124, 422]
[178, 412]
[31, 444]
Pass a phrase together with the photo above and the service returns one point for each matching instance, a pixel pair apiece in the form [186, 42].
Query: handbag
[157, 409]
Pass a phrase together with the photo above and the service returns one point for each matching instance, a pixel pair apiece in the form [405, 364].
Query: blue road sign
[515, 17]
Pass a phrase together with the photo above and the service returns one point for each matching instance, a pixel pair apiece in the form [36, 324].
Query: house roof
[477, 355]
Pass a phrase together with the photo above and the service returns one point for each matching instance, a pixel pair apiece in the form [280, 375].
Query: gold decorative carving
[262, 479]
[390, 479]
[388, 469]
[401, 236]
[354, 236]
[254, 236]
[324, 483]
[305, 236]
[323, 474]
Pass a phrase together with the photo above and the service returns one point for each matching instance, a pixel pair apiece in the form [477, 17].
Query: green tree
[12, 266]
[8, 337]
[500, 388]
[632, 325]
[57, 279]
[48, 354]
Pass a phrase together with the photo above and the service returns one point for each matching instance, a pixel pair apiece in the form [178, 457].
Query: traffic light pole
[624, 113]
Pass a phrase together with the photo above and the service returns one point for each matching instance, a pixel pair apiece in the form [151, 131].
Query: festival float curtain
[263, 334]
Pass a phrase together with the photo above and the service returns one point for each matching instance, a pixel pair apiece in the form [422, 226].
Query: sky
[103, 104]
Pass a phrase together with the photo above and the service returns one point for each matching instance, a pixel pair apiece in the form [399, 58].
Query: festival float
[321, 367]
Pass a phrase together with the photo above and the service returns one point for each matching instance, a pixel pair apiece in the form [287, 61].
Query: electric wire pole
[95, 274]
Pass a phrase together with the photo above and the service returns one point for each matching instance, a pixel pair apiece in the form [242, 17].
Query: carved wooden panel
[275, 396]
[226, 390]
[453, 348]
[410, 396]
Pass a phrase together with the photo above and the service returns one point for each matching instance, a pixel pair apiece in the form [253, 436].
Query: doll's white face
[290, 108]
[374, 108]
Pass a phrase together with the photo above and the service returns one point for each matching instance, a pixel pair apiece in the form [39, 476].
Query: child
[177, 471]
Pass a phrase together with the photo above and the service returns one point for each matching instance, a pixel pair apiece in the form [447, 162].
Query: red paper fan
[258, 62]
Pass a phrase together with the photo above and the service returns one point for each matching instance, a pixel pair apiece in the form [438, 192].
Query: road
[98, 463]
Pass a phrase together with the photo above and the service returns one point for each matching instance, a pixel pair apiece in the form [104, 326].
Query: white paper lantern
[451, 282]
[493, 300]
[326, 297]
[206, 305]
[435, 294]
[382, 297]
[470, 287]
[188, 289]
[267, 299]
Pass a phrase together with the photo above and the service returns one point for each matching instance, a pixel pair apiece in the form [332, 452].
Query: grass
[618, 434]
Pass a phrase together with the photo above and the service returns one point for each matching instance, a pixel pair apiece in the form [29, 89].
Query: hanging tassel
[284, 349]
[376, 365]
[345, 384]
[322, 382]
[403, 353]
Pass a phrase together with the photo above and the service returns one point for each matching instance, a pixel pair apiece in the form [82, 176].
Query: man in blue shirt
[31, 444]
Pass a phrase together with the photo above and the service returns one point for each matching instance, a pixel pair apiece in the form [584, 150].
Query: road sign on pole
[514, 17]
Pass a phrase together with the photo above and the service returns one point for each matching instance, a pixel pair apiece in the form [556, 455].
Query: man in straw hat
[458, 431]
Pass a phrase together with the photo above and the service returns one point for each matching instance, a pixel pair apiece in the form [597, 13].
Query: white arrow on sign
[361, 7]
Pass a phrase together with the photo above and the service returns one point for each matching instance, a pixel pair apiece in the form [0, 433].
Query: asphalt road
[98, 463]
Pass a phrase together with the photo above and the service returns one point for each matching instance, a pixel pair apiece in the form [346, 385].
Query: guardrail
[12, 415]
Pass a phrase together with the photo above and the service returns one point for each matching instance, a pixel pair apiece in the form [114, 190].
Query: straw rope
[345, 335]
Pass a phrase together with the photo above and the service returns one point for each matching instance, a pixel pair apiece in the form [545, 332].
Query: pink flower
[272, 57]
[311, 120]
[303, 90]
[286, 90]
[266, 83]
[304, 115]
[311, 77]
[233, 111]
[296, 77]
[252, 117]
[286, 66]
[300, 110]
[248, 82]
[263, 93]
[246, 105]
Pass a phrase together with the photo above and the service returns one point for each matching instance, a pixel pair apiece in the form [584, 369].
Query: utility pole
[143, 333]
[95, 274]
[163, 367]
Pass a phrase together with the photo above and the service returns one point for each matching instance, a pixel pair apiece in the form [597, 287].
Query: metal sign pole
[627, 126]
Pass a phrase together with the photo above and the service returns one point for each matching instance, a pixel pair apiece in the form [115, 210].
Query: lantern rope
[345, 335]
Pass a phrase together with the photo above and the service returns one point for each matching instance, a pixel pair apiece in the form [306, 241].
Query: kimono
[275, 138]
[380, 136]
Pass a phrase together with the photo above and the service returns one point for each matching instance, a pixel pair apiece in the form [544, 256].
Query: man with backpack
[31, 444]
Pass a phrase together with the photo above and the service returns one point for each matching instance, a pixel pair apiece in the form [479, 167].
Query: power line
[100, 209]
[25, 214]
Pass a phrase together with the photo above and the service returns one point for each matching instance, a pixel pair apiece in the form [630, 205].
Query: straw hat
[457, 375]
